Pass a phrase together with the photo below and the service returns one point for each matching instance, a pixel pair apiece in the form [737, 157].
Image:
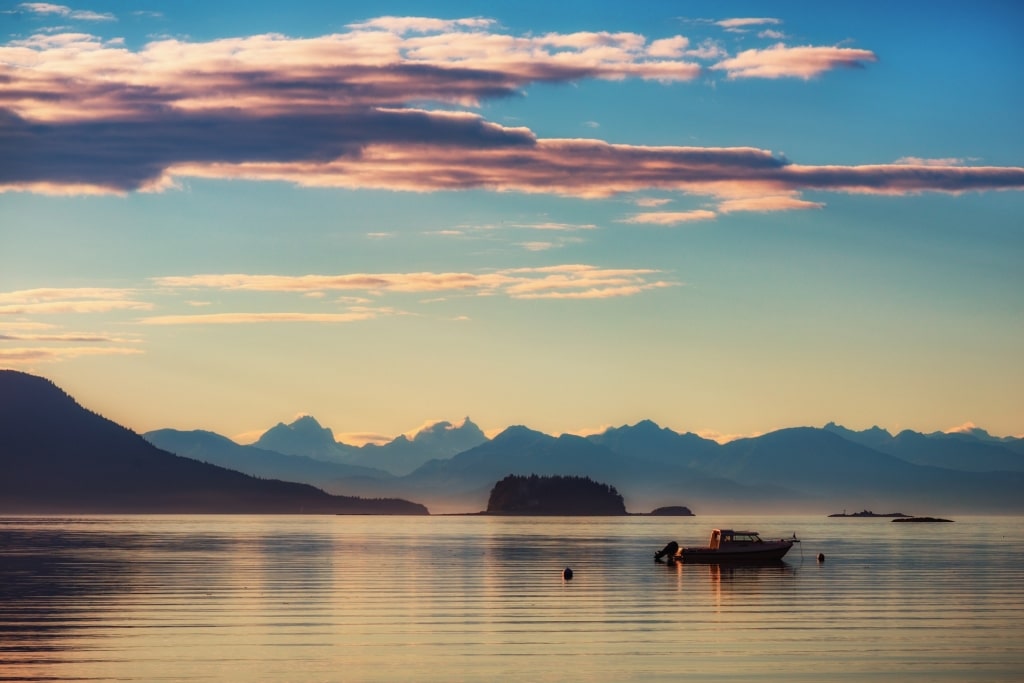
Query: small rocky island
[554, 495]
[672, 511]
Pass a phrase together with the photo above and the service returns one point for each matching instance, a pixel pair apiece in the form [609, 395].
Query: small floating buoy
[821, 557]
[567, 574]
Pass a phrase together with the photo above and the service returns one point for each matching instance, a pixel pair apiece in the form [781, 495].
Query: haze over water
[209, 598]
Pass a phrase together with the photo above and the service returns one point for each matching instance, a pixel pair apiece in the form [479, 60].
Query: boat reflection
[747, 573]
[733, 582]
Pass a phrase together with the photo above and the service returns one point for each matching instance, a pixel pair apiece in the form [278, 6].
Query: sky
[726, 217]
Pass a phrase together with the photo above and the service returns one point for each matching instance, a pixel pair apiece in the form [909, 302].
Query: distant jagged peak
[445, 428]
[874, 430]
[308, 423]
[305, 426]
[304, 436]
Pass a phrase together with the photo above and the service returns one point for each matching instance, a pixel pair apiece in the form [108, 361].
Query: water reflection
[53, 582]
[370, 599]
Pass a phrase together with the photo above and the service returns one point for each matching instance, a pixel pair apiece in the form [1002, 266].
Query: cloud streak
[63, 11]
[56, 300]
[596, 169]
[27, 355]
[65, 337]
[252, 318]
[741, 24]
[670, 217]
[570, 281]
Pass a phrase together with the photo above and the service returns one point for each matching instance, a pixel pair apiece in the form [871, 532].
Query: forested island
[868, 513]
[554, 495]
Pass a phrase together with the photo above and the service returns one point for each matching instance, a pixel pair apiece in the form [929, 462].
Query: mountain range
[56, 456]
[805, 468]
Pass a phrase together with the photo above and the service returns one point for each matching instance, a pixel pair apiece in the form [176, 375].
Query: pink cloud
[767, 203]
[43, 294]
[83, 306]
[583, 168]
[83, 115]
[671, 217]
[793, 62]
[443, 62]
[592, 168]
[557, 227]
[668, 47]
[741, 23]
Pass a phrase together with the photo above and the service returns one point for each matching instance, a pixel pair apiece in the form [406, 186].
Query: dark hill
[57, 457]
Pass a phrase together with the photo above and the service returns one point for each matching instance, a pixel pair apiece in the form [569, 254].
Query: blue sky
[726, 217]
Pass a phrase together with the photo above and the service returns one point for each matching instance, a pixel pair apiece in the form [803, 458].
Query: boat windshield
[744, 537]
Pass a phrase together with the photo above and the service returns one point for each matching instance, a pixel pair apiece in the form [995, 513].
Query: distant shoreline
[922, 519]
[869, 513]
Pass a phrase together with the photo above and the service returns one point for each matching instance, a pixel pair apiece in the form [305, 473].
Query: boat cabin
[730, 537]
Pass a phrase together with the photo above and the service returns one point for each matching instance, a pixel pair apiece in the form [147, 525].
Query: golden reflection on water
[471, 598]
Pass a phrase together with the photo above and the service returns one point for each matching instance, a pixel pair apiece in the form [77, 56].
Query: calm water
[217, 598]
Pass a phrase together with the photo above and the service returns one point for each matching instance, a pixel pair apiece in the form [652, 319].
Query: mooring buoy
[821, 557]
[567, 574]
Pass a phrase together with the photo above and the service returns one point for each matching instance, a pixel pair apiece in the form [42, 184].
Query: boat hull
[770, 552]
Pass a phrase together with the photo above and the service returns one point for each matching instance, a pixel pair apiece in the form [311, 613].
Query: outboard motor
[669, 550]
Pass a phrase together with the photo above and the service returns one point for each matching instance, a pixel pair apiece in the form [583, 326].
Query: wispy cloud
[63, 11]
[253, 318]
[26, 355]
[740, 24]
[670, 217]
[652, 202]
[556, 227]
[70, 337]
[760, 203]
[44, 294]
[804, 62]
[767, 203]
[564, 281]
[919, 161]
[539, 246]
[403, 25]
[47, 301]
